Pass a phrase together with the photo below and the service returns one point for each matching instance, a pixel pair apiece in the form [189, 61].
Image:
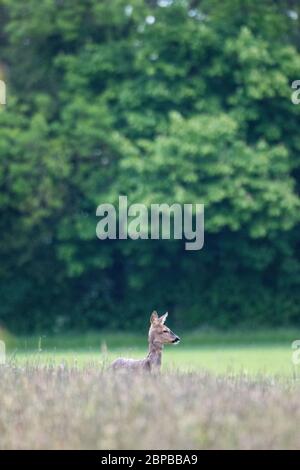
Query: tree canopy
[163, 101]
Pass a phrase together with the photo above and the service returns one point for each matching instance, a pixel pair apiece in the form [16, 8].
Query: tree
[164, 101]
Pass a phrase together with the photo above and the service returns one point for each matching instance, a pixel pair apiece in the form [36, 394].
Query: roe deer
[159, 334]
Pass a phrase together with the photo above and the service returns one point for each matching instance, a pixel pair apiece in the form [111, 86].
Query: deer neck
[155, 353]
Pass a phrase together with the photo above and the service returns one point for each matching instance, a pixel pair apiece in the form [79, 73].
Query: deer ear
[154, 317]
[163, 318]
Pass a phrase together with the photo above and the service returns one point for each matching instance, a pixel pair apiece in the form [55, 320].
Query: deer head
[159, 333]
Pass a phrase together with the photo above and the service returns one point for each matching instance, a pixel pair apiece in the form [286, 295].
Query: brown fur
[159, 335]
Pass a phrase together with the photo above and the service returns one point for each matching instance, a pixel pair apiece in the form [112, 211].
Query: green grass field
[219, 354]
[217, 391]
[262, 359]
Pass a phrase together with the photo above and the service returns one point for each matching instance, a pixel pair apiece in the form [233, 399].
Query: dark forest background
[163, 101]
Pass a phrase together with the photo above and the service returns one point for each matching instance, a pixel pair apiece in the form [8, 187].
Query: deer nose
[176, 339]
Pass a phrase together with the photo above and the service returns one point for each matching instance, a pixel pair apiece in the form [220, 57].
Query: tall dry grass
[68, 408]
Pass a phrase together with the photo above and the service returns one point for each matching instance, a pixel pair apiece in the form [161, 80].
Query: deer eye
[165, 331]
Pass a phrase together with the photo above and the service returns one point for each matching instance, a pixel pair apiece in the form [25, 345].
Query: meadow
[268, 360]
[226, 393]
[267, 353]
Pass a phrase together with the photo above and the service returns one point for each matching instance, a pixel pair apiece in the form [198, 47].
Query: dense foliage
[164, 101]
